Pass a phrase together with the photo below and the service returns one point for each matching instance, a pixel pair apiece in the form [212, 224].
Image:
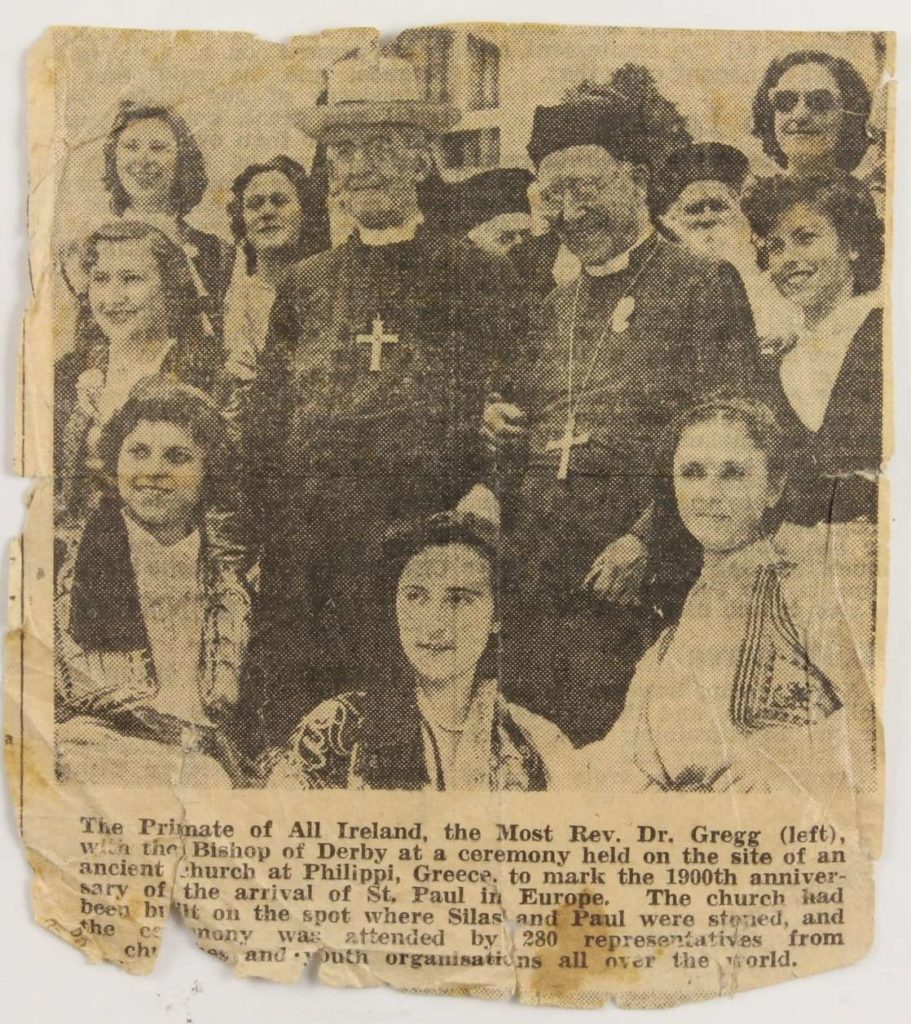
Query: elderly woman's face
[722, 484]
[807, 105]
[445, 610]
[146, 161]
[160, 474]
[272, 212]
[807, 261]
[126, 292]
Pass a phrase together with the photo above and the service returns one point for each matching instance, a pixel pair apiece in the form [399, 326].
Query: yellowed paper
[458, 553]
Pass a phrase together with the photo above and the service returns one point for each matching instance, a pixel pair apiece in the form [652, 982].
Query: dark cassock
[534, 261]
[616, 358]
[366, 411]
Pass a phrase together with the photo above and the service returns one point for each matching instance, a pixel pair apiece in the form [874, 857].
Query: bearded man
[696, 197]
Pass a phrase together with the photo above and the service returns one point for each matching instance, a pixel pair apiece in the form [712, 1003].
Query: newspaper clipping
[457, 558]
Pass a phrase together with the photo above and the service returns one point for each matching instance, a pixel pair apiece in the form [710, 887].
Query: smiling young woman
[811, 112]
[821, 242]
[140, 315]
[154, 171]
[150, 628]
[440, 723]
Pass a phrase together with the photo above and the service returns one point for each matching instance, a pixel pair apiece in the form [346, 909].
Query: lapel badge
[623, 311]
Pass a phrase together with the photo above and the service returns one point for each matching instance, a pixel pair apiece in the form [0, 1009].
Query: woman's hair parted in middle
[759, 421]
[404, 540]
[853, 140]
[159, 400]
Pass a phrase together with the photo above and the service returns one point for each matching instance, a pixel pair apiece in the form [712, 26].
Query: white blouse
[172, 603]
[248, 304]
[756, 687]
[464, 748]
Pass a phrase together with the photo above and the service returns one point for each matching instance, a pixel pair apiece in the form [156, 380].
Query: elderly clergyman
[380, 354]
[643, 331]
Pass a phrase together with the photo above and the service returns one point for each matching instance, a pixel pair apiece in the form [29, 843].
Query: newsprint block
[458, 550]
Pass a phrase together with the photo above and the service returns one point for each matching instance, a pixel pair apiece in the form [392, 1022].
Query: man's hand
[618, 572]
[503, 424]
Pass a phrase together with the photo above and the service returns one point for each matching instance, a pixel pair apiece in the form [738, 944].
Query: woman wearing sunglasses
[811, 113]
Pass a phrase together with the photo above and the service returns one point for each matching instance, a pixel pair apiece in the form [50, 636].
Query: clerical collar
[620, 262]
[390, 236]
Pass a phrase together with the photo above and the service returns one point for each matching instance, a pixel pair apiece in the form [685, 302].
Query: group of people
[460, 505]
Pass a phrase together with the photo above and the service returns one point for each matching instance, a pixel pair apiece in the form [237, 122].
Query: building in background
[463, 67]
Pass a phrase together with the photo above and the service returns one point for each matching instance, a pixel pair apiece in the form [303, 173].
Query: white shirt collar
[390, 236]
[621, 261]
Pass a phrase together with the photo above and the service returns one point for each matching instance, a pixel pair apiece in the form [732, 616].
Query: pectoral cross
[565, 444]
[377, 340]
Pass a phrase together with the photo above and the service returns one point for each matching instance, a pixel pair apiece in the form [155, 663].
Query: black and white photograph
[462, 503]
[417, 425]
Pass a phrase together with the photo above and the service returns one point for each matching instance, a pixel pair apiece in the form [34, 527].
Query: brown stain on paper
[551, 982]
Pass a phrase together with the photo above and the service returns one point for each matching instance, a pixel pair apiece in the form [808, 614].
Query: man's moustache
[583, 226]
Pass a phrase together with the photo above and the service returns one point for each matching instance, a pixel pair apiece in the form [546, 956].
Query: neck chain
[618, 323]
[621, 311]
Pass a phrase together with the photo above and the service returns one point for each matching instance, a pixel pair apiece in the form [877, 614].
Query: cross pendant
[565, 444]
[376, 340]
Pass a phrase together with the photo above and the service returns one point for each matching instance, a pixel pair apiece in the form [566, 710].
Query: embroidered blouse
[500, 746]
[763, 684]
[149, 643]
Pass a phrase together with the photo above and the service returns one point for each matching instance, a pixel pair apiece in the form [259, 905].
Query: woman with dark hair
[154, 172]
[821, 242]
[278, 217]
[811, 112]
[763, 683]
[139, 315]
[443, 725]
[150, 628]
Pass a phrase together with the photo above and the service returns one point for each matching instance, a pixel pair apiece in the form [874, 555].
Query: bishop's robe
[338, 451]
[649, 340]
